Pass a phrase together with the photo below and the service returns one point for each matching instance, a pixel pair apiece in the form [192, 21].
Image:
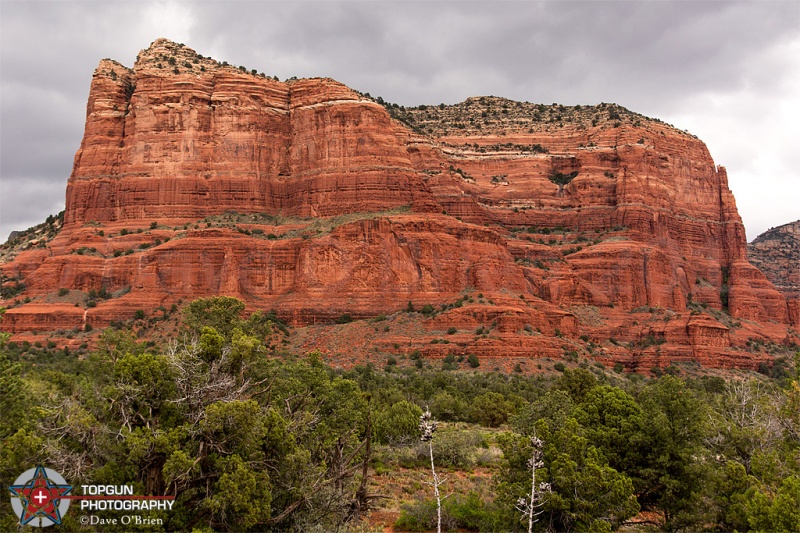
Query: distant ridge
[776, 252]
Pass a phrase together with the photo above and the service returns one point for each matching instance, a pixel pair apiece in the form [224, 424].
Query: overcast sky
[728, 72]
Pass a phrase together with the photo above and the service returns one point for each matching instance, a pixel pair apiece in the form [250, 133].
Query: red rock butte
[546, 229]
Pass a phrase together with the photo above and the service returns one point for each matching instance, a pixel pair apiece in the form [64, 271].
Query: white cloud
[168, 19]
[753, 132]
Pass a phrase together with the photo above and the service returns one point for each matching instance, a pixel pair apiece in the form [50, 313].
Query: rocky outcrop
[183, 141]
[196, 178]
[776, 253]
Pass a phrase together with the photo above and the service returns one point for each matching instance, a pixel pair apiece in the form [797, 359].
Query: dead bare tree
[200, 383]
[531, 507]
[427, 427]
[745, 421]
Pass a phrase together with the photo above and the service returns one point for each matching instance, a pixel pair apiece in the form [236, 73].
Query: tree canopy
[250, 438]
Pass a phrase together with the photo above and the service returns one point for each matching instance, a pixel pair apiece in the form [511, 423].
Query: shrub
[472, 513]
[490, 409]
[397, 424]
[560, 178]
[9, 291]
[448, 408]
[139, 315]
[459, 512]
[539, 149]
[452, 330]
[419, 516]
[650, 340]
[559, 366]
[63, 291]
[472, 360]
[153, 225]
[455, 448]
[344, 319]
[449, 362]
[101, 294]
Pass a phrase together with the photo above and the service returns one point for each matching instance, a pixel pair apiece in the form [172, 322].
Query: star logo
[39, 497]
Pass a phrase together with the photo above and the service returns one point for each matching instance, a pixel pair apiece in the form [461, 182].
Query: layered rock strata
[196, 178]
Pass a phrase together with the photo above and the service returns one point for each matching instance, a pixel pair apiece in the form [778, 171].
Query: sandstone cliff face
[196, 178]
[199, 137]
